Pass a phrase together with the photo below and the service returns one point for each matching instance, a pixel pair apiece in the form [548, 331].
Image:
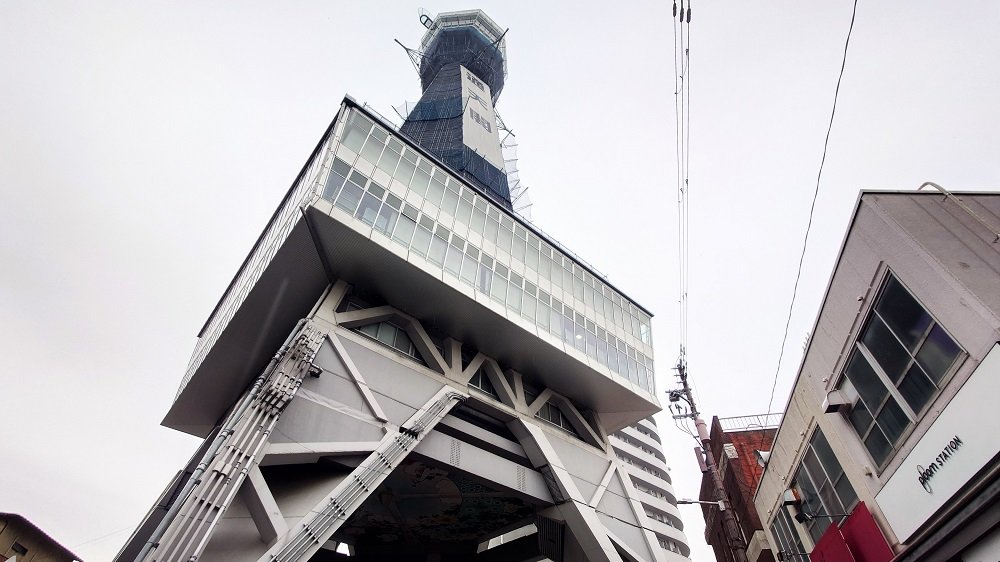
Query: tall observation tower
[404, 369]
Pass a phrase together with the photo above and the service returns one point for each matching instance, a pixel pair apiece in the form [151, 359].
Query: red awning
[864, 537]
[859, 539]
[832, 547]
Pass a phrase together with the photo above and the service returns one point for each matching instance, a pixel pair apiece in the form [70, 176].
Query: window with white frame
[899, 362]
[789, 543]
[823, 486]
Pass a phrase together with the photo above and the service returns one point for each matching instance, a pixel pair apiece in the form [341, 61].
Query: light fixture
[761, 457]
[804, 516]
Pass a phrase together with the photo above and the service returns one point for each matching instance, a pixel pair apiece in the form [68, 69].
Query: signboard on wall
[479, 124]
[957, 445]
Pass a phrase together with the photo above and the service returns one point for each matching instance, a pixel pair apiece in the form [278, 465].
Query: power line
[812, 208]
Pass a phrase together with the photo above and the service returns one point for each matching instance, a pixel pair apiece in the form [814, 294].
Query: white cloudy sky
[143, 146]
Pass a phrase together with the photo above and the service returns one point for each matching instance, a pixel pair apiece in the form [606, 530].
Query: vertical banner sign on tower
[479, 124]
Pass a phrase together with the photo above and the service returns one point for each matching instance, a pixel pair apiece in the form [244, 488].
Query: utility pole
[729, 525]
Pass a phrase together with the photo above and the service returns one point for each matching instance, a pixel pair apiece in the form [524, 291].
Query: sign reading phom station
[957, 445]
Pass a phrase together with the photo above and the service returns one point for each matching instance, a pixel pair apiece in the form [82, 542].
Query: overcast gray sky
[143, 146]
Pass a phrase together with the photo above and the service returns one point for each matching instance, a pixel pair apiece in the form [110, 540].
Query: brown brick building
[736, 445]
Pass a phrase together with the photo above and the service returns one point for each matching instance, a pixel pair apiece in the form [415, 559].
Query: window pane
[349, 197]
[388, 161]
[892, 420]
[356, 131]
[860, 417]
[333, 183]
[386, 333]
[470, 267]
[368, 209]
[937, 354]
[890, 354]
[499, 289]
[903, 314]
[485, 279]
[528, 307]
[825, 456]
[405, 170]
[437, 251]
[386, 219]
[421, 240]
[514, 297]
[464, 212]
[877, 445]
[449, 202]
[404, 230]
[372, 150]
[492, 225]
[916, 388]
[435, 191]
[454, 261]
[420, 180]
[504, 241]
[864, 379]
[848, 497]
[478, 220]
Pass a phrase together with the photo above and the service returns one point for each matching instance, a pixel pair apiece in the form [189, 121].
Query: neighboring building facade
[888, 448]
[404, 369]
[737, 444]
[22, 541]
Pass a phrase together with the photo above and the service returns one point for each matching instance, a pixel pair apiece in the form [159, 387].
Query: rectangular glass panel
[421, 240]
[485, 279]
[916, 388]
[890, 354]
[437, 251]
[937, 353]
[356, 131]
[405, 170]
[387, 163]
[368, 209]
[372, 150]
[435, 191]
[404, 230]
[902, 313]
[453, 263]
[349, 197]
[386, 219]
[420, 181]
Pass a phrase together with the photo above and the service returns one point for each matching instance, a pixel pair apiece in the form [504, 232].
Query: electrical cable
[102, 537]
[812, 208]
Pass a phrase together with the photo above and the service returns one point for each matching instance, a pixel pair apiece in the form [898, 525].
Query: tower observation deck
[463, 67]
[405, 369]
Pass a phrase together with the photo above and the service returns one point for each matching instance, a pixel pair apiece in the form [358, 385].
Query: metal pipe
[220, 438]
[948, 195]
